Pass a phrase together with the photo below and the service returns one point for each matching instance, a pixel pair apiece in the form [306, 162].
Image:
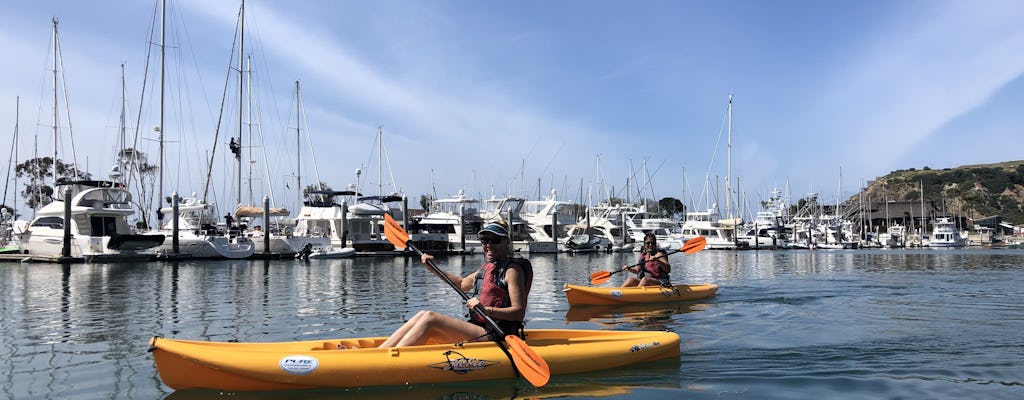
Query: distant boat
[542, 217]
[320, 227]
[447, 224]
[99, 225]
[945, 234]
[198, 236]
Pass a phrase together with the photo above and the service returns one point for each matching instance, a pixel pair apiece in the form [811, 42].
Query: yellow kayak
[579, 295]
[347, 363]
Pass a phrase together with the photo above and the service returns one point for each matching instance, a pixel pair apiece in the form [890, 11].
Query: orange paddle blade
[530, 365]
[600, 277]
[394, 232]
[694, 245]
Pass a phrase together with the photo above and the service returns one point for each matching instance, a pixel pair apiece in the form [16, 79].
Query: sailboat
[192, 232]
[319, 230]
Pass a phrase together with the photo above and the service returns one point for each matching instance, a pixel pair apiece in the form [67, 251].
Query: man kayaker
[501, 285]
[653, 267]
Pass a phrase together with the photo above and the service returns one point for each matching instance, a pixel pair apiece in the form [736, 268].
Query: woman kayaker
[501, 285]
[653, 267]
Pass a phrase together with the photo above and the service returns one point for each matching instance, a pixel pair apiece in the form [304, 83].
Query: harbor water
[847, 324]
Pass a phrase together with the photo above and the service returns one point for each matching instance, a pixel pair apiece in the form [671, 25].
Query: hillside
[974, 191]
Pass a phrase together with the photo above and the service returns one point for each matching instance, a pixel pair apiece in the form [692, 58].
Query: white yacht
[198, 236]
[508, 209]
[99, 225]
[449, 224]
[894, 236]
[945, 234]
[320, 227]
[604, 227]
[365, 230]
[706, 223]
[548, 222]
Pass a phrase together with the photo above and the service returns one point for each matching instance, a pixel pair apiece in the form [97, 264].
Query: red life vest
[650, 267]
[491, 287]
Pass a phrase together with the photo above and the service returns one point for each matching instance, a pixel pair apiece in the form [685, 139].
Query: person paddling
[501, 285]
[653, 268]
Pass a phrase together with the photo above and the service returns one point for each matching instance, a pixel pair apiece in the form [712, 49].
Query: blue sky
[504, 97]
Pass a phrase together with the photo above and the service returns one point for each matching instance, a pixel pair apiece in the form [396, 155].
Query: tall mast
[121, 140]
[160, 127]
[14, 159]
[249, 125]
[728, 170]
[298, 143]
[55, 113]
[923, 223]
[380, 160]
[241, 58]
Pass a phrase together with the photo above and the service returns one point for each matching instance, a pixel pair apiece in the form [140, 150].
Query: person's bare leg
[403, 330]
[439, 327]
[630, 282]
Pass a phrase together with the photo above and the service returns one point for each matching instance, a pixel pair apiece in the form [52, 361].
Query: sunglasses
[490, 239]
[649, 243]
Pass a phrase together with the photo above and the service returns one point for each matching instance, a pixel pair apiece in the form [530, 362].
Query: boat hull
[235, 366]
[580, 295]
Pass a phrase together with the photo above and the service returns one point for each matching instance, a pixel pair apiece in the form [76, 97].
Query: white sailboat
[198, 235]
[193, 233]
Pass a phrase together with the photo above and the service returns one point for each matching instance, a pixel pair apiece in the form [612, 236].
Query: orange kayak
[579, 295]
[349, 363]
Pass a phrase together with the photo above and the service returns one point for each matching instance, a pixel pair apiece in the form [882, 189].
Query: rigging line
[309, 140]
[67, 112]
[14, 155]
[220, 117]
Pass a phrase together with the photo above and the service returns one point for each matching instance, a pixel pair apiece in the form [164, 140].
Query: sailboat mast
[55, 113]
[728, 170]
[160, 127]
[241, 90]
[380, 160]
[13, 161]
[298, 144]
[121, 141]
[923, 223]
[249, 126]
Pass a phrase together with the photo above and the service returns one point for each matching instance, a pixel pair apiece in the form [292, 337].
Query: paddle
[691, 246]
[527, 362]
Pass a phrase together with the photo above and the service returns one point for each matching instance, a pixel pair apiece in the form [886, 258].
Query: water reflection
[81, 331]
[601, 384]
[660, 316]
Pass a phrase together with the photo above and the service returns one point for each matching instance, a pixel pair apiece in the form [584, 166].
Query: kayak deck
[232, 366]
[579, 295]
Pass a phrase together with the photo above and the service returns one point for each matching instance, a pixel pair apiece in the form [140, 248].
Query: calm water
[785, 325]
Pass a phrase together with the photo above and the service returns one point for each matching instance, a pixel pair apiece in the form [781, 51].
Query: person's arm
[663, 261]
[516, 311]
[465, 283]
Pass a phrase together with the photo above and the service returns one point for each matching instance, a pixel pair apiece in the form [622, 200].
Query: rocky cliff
[974, 191]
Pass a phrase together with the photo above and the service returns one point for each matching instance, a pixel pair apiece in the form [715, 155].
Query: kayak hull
[232, 366]
[580, 295]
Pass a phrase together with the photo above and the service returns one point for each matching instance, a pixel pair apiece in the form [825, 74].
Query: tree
[425, 201]
[671, 207]
[39, 171]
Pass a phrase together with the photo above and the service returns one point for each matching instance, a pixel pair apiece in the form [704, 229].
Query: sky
[589, 98]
